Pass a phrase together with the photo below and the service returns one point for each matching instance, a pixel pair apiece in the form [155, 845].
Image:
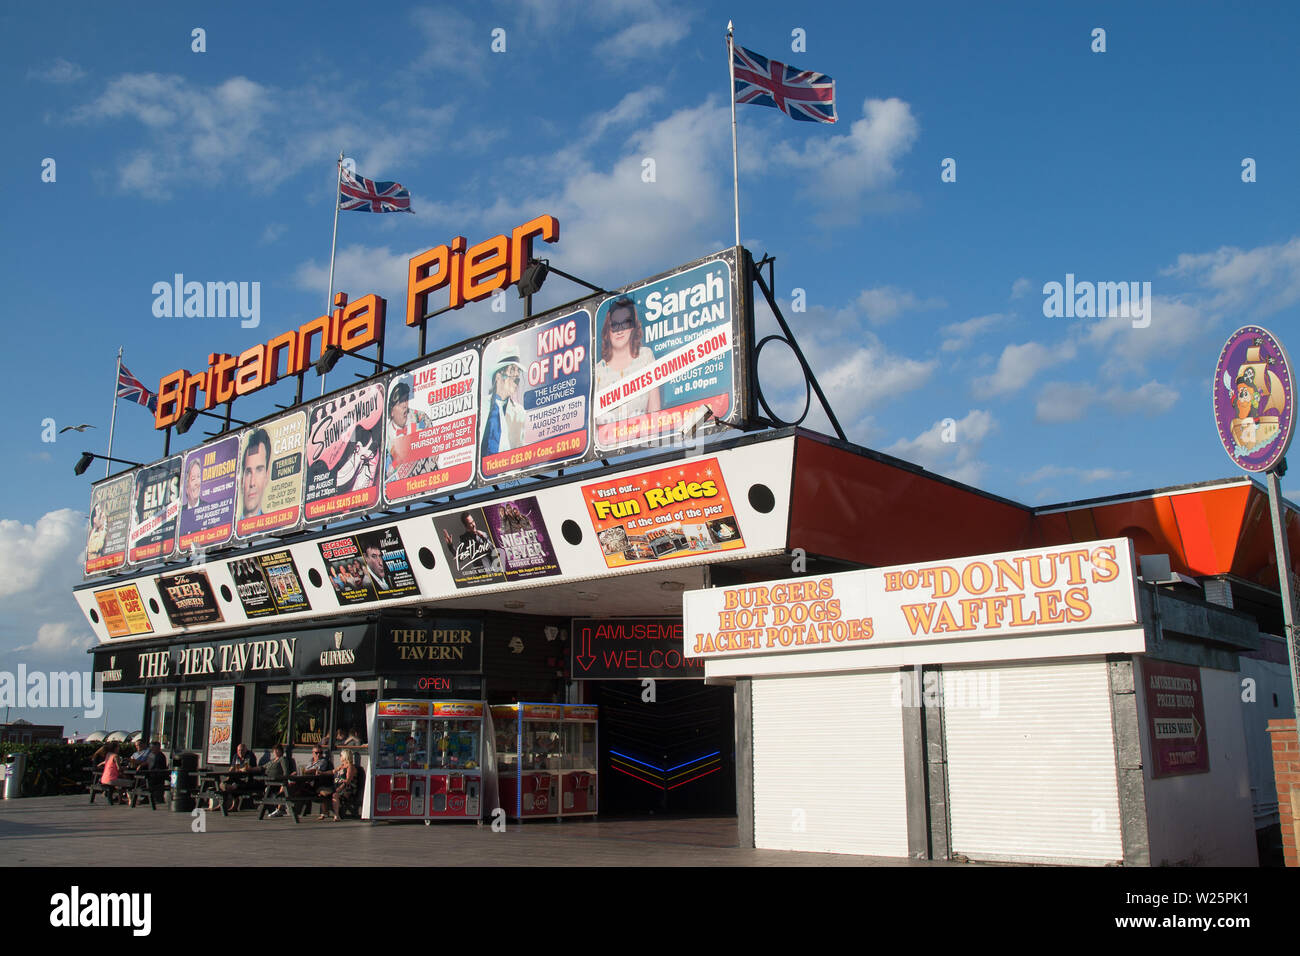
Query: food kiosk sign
[1176, 718]
[1085, 586]
[1254, 399]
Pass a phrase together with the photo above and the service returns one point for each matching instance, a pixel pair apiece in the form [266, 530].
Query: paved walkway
[68, 831]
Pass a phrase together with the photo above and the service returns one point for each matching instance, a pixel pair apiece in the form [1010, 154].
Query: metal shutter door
[828, 754]
[1031, 763]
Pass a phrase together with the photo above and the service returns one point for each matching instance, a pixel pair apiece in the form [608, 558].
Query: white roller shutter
[1031, 763]
[828, 765]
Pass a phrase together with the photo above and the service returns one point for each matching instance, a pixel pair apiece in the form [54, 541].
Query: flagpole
[112, 422]
[735, 165]
[334, 241]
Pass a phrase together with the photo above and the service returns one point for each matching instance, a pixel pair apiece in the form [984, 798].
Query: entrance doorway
[672, 755]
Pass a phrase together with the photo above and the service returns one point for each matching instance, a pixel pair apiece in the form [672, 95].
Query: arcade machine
[581, 760]
[425, 758]
[546, 759]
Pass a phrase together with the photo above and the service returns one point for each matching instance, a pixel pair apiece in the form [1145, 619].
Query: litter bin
[185, 768]
[15, 770]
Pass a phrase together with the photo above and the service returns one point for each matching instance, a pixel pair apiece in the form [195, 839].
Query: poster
[208, 486]
[268, 584]
[345, 440]
[369, 566]
[270, 475]
[431, 428]
[221, 725]
[664, 356]
[1176, 718]
[536, 393]
[110, 519]
[503, 541]
[675, 512]
[157, 506]
[188, 599]
[123, 612]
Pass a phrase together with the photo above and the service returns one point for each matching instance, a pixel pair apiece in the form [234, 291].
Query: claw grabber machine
[546, 759]
[426, 759]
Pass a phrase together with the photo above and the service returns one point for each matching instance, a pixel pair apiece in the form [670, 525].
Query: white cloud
[646, 39]
[60, 71]
[61, 638]
[1063, 402]
[1058, 402]
[1021, 288]
[958, 335]
[1085, 475]
[887, 302]
[452, 42]
[1264, 279]
[1018, 365]
[957, 458]
[32, 554]
[273, 231]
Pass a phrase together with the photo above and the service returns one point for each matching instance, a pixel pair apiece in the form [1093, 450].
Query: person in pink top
[112, 775]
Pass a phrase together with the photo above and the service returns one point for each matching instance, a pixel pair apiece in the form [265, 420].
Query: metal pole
[329, 299]
[112, 422]
[1284, 579]
[735, 165]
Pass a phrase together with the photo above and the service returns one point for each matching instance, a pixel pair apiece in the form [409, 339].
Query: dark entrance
[673, 755]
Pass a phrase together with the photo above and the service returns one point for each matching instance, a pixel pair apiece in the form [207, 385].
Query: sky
[918, 297]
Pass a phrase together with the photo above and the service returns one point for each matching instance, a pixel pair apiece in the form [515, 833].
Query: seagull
[74, 428]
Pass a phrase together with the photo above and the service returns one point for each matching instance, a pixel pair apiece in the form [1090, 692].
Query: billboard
[659, 515]
[345, 441]
[536, 396]
[665, 355]
[503, 541]
[268, 584]
[208, 489]
[188, 599]
[123, 612]
[431, 428]
[110, 520]
[270, 475]
[157, 506]
[369, 566]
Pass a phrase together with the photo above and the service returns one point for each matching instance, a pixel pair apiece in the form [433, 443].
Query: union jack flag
[357, 192]
[799, 94]
[130, 387]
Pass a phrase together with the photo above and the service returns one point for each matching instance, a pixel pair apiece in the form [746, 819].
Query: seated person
[344, 793]
[278, 769]
[112, 774]
[245, 763]
[141, 755]
[320, 765]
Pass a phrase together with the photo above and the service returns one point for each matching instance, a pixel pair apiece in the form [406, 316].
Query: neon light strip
[684, 782]
[715, 763]
[669, 769]
[715, 753]
[635, 777]
[634, 771]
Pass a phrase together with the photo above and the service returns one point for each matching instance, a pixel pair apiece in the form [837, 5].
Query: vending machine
[546, 758]
[426, 760]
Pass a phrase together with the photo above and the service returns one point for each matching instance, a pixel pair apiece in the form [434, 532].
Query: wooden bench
[277, 794]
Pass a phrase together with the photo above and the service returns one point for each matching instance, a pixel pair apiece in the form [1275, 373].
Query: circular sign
[1254, 399]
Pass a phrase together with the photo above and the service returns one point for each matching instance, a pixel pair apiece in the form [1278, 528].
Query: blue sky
[924, 299]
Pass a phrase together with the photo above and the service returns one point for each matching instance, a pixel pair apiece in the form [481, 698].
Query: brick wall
[1286, 771]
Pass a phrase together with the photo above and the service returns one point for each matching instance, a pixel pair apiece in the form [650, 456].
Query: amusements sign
[1176, 718]
[431, 425]
[677, 512]
[630, 649]
[268, 584]
[345, 439]
[1254, 399]
[188, 600]
[270, 476]
[208, 486]
[536, 396]
[157, 508]
[504, 541]
[1084, 587]
[123, 612]
[664, 357]
[370, 566]
[110, 520]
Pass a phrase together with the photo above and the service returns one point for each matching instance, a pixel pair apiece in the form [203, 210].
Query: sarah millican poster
[431, 425]
[659, 515]
[268, 584]
[157, 506]
[345, 439]
[503, 541]
[270, 475]
[369, 566]
[536, 397]
[208, 482]
[110, 519]
[663, 355]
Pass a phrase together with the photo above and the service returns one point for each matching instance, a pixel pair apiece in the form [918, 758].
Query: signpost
[1254, 410]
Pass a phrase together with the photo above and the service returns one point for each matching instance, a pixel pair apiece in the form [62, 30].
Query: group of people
[117, 770]
[335, 787]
